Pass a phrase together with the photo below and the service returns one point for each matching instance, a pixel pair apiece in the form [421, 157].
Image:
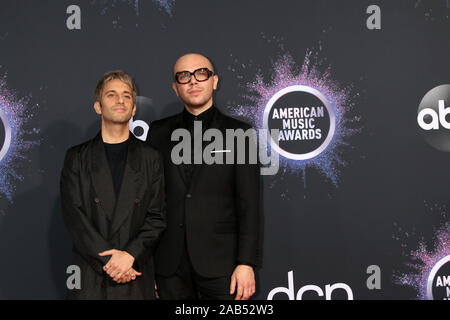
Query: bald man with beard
[210, 247]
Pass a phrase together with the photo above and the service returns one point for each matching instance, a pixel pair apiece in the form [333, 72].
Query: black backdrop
[389, 197]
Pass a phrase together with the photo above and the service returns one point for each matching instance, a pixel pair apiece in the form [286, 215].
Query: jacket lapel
[101, 178]
[177, 124]
[129, 189]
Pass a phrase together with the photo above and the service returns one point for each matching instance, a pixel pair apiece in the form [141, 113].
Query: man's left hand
[244, 278]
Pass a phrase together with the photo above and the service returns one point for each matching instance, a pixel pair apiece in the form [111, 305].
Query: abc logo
[433, 117]
[144, 115]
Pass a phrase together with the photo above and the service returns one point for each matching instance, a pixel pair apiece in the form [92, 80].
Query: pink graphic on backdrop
[434, 10]
[423, 257]
[286, 73]
[15, 115]
[167, 5]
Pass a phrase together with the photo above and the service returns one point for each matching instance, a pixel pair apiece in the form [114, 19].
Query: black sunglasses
[200, 75]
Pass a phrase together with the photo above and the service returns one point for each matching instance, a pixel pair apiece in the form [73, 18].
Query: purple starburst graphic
[286, 74]
[423, 258]
[434, 10]
[167, 5]
[15, 114]
[108, 4]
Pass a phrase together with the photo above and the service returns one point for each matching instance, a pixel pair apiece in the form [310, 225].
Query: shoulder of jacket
[148, 149]
[162, 122]
[234, 123]
[79, 148]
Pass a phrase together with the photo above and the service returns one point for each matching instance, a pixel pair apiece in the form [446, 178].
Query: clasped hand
[120, 266]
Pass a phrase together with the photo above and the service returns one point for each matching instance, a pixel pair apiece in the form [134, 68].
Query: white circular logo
[305, 119]
[5, 135]
[438, 284]
[433, 117]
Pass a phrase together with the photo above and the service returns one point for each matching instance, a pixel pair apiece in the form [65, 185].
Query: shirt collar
[205, 117]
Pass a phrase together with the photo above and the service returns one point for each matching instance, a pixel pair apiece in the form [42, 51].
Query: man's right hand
[129, 276]
[156, 291]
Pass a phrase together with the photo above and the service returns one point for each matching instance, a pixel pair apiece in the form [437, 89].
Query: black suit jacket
[218, 214]
[96, 221]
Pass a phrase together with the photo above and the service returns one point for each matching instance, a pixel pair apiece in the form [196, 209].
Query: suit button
[181, 225]
[96, 200]
[188, 196]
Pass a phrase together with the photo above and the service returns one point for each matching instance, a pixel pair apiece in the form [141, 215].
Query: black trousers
[186, 284]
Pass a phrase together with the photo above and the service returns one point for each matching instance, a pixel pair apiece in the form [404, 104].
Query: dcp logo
[5, 135]
[433, 117]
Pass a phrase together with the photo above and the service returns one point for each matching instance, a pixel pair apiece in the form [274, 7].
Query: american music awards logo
[305, 119]
[427, 264]
[315, 115]
[438, 284]
[5, 135]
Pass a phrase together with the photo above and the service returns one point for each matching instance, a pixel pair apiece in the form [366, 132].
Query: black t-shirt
[188, 122]
[116, 153]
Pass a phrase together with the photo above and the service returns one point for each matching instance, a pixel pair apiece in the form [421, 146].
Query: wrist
[130, 256]
[245, 264]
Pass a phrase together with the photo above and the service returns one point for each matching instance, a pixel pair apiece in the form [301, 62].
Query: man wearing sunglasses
[210, 247]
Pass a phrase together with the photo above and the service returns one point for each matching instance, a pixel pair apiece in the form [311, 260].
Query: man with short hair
[113, 201]
[210, 247]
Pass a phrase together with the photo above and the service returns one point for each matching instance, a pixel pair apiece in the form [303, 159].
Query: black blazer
[97, 222]
[218, 214]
